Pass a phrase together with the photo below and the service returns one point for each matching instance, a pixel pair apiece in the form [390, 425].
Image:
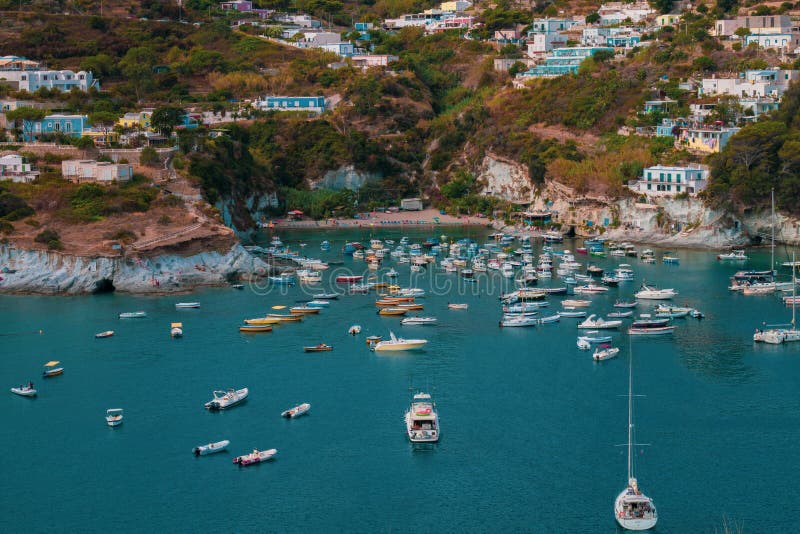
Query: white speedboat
[590, 289]
[604, 354]
[422, 420]
[458, 306]
[114, 416]
[633, 510]
[184, 305]
[227, 399]
[592, 337]
[397, 344]
[255, 457]
[211, 448]
[26, 390]
[572, 312]
[735, 255]
[418, 320]
[593, 321]
[573, 303]
[297, 411]
[620, 314]
[354, 330]
[651, 293]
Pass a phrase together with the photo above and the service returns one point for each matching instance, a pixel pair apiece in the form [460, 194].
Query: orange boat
[304, 310]
[392, 311]
[385, 303]
[399, 299]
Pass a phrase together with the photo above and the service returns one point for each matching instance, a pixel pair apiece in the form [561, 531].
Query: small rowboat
[410, 306]
[397, 299]
[262, 320]
[620, 315]
[373, 340]
[114, 416]
[211, 448]
[322, 347]
[348, 279]
[650, 331]
[252, 329]
[419, 320]
[571, 303]
[255, 457]
[304, 310]
[572, 312]
[354, 330]
[286, 318]
[52, 370]
[297, 411]
[604, 354]
[326, 296]
[458, 306]
[181, 305]
[550, 319]
[392, 311]
[133, 315]
[107, 333]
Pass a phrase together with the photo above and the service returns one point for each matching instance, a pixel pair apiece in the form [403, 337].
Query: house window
[649, 187]
[80, 76]
[57, 126]
[68, 127]
[661, 177]
[669, 177]
[24, 77]
[649, 175]
[678, 188]
[678, 178]
[44, 77]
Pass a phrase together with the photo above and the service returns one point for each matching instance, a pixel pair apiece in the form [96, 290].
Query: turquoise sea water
[529, 422]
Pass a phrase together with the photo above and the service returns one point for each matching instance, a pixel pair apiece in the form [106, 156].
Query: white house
[619, 12]
[373, 60]
[774, 41]
[542, 43]
[14, 168]
[752, 83]
[667, 181]
[25, 75]
[80, 171]
[455, 6]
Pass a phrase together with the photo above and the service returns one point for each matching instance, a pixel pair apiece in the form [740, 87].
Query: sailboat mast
[794, 290]
[772, 247]
[630, 410]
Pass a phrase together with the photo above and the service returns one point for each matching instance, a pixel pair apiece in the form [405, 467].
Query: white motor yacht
[395, 343]
[651, 293]
[422, 421]
[114, 416]
[227, 399]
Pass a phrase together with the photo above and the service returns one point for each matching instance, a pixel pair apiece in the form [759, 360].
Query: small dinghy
[572, 312]
[606, 353]
[133, 315]
[549, 319]
[52, 370]
[354, 330]
[211, 448]
[458, 306]
[297, 411]
[326, 296]
[176, 330]
[624, 304]
[255, 457]
[107, 333]
[25, 390]
[183, 305]
[322, 347]
[418, 320]
[114, 416]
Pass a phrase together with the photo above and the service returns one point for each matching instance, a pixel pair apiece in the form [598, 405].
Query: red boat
[349, 279]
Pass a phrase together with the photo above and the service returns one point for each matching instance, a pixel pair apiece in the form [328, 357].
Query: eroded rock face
[505, 178]
[52, 273]
[345, 177]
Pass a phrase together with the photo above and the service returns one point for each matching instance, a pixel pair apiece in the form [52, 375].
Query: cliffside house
[668, 181]
[56, 124]
[752, 83]
[366, 61]
[313, 104]
[25, 75]
[618, 12]
[708, 139]
[562, 61]
[775, 24]
[13, 167]
[81, 171]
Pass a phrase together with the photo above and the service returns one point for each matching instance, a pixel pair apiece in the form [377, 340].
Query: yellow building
[667, 20]
[138, 120]
[708, 140]
[100, 137]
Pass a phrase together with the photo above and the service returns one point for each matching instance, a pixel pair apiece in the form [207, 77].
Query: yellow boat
[285, 318]
[380, 285]
[262, 321]
[304, 310]
[255, 328]
[392, 311]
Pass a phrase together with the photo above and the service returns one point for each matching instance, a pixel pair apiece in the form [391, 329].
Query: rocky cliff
[48, 272]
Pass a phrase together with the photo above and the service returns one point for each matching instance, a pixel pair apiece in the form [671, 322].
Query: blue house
[563, 61]
[363, 26]
[69, 125]
[314, 104]
[670, 127]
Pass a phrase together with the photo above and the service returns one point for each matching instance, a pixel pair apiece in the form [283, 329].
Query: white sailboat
[633, 509]
[776, 336]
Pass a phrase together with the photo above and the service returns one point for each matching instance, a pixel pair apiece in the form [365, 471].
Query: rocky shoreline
[53, 273]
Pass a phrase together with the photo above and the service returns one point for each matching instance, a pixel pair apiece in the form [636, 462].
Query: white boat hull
[211, 448]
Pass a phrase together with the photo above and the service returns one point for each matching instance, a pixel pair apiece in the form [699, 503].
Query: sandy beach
[429, 217]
